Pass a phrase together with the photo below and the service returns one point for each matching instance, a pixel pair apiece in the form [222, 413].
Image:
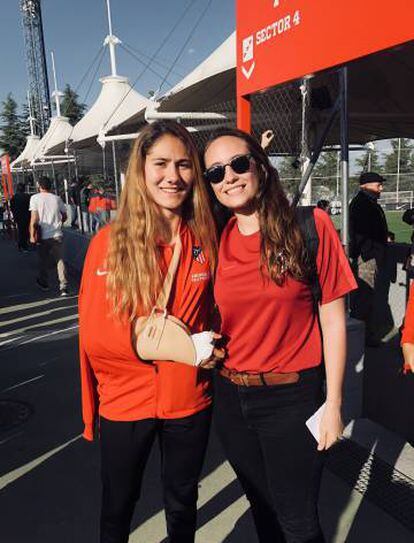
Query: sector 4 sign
[281, 40]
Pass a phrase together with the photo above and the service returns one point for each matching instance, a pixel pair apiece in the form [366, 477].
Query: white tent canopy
[26, 156]
[211, 82]
[116, 103]
[58, 132]
[222, 60]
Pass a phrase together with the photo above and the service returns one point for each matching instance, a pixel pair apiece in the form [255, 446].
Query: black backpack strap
[306, 221]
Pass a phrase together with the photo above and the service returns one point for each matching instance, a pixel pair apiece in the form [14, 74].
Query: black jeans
[22, 233]
[125, 447]
[274, 455]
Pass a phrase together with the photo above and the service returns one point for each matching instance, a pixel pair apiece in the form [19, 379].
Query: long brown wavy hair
[282, 248]
[134, 279]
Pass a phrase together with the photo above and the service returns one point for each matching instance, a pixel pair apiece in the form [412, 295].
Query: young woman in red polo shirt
[272, 379]
[164, 197]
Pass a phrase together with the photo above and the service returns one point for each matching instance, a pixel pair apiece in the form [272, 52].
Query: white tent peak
[58, 132]
[25, 157]
[116, 102]
[221, 59]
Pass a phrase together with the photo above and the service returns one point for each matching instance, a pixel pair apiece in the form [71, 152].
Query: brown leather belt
[259, 379]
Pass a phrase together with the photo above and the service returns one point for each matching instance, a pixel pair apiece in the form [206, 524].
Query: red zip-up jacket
[116, 384]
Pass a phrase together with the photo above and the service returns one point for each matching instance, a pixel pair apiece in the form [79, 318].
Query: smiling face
[236, 191]
[169, 174]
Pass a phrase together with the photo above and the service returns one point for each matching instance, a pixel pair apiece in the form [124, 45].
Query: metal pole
[344, 156]
[65, 188]
[111, 40]
[338, 171]
[104, 163]
[304, 155]
[78, 207]
[76, 166]
[317, 150]
[55, 93]
[115, 173]
[398, 168]
[54, 178]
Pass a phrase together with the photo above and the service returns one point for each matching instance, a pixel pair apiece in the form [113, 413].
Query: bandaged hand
[207, 354]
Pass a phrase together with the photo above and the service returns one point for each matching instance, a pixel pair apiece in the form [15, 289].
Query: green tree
[12, 130]
[369, 161]
[289, 175]
[405, 151]
[70, 106]
[326, 166]
[406, 156]
[24, 119]
[326, 169]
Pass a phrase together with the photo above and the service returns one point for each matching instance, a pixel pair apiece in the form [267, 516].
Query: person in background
[48, 213]
[104, 207]
[94, 201]
[19, 206]
[164, 205]
[408, 218]
[368, 245]
[99, 208]
[74, 202]
[324, 205]
[280, 340]
[84, 205]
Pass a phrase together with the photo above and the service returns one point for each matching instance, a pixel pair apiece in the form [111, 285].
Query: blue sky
[75, 30]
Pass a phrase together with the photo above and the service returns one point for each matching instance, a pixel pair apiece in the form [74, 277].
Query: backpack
[306, 221]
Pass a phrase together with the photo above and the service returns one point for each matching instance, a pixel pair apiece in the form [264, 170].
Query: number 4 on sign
[296, 17]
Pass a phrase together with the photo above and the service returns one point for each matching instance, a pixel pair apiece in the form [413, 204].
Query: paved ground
[49, 476]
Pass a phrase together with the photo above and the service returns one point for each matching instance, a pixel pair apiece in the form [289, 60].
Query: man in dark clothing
[19, 206]
[368, 245]
[408, 218]
[84, 197]
[74, 202]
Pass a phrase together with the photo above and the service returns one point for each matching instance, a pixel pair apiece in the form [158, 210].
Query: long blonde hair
[283, 251]
[134, 279]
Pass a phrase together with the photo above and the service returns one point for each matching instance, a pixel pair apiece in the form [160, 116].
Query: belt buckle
[235, 379]
[240, 379]
[245, 379]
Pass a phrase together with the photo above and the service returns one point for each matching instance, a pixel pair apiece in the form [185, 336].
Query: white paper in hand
[204, 345]
[314, 422]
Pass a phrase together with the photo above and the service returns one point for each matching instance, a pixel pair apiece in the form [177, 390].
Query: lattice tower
[36, 63]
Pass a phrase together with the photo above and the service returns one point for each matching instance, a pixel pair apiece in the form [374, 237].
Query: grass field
[401, 230]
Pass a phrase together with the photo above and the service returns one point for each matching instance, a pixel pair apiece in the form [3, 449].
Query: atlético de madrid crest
[198, 255]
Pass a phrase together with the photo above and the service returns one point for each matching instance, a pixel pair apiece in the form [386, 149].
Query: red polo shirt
[271, 327]
[408, 328]
[114, 381]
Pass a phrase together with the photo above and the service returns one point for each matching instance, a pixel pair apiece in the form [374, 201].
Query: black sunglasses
[239, 164]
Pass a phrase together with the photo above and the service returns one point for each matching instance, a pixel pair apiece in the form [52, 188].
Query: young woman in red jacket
[164, 198]
[272, 378]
